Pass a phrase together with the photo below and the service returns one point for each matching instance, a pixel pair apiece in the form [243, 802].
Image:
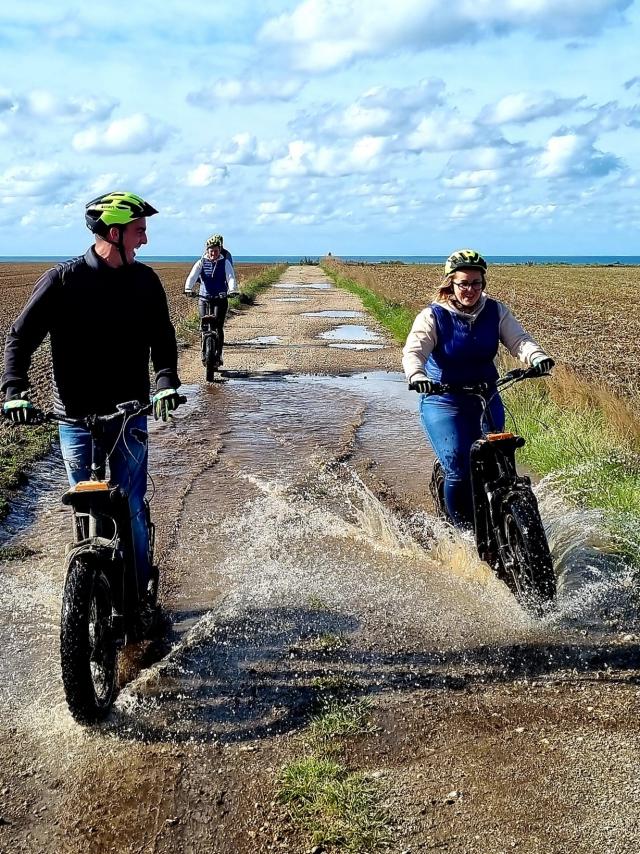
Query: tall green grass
[253, 286]
[592, 466]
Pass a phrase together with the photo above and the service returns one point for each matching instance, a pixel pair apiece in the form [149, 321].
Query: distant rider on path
[106, 314]
[217, 278]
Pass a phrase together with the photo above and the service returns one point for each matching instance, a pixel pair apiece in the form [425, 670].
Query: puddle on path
[312, 552]
[357, 346]
[262, 340]
[315, 286]
[278, 544]
[333, 313]
[350, 332]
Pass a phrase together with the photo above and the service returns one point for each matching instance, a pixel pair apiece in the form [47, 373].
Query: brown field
[17, 281]
[586, 317]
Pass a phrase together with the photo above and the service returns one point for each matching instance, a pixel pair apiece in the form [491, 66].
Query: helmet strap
[119, 243]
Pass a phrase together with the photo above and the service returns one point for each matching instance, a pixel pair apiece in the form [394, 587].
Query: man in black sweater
[106, 314]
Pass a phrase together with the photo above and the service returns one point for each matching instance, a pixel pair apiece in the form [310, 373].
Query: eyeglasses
[469, 286]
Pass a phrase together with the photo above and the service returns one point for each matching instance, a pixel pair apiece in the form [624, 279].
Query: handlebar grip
[182, 399]
[436, 388]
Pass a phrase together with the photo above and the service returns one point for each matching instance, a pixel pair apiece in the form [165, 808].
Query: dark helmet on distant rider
[213, 241]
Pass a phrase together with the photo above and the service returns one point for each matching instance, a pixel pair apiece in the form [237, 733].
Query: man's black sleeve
[28, 332]
[164, 350]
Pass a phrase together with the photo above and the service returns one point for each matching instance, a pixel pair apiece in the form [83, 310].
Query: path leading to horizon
[297, 551]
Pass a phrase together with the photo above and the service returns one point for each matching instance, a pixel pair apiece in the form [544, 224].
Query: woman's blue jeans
[452, 425]
[127, 469]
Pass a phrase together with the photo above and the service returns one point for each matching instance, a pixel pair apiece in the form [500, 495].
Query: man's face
[213, 252]
[133, 237]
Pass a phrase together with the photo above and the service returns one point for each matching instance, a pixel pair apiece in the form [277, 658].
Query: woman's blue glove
[164, 402]
[542, 365]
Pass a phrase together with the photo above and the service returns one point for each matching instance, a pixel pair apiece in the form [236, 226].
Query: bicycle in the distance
[211, 341]
[508, 529]
[101, 601]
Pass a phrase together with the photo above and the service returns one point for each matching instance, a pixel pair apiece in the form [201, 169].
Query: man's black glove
[423, 385]
[20, 410]
[541, 366]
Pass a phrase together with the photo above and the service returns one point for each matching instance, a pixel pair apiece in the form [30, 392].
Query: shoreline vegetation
[583, 434]
[20, 448]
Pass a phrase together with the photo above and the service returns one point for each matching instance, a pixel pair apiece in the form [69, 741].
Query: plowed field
[585, 317]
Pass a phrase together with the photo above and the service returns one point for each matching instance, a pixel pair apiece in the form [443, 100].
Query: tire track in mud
[275, 539]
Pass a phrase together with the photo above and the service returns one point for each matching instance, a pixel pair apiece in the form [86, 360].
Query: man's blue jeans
[127, 469]
[452, 425]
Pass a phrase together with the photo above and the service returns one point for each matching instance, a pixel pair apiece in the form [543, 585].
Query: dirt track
[285, 506]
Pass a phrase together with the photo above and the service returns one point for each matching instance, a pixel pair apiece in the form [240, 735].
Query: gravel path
[285, 507]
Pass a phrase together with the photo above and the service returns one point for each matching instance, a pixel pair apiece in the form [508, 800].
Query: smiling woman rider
[455, 340]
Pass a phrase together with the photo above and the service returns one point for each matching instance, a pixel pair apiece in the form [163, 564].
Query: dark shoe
[152, 620]
[153, 583]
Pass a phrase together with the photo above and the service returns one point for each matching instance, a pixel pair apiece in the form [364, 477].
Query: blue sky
[349, 126]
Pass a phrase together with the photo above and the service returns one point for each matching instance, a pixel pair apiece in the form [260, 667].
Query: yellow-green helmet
[464, 259]
[214, 240]
[118, 208]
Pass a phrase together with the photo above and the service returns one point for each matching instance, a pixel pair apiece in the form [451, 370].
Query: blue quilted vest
[466, 349]
[213, 280]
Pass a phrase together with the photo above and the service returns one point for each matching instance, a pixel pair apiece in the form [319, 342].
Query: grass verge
[394, 316]
[592, 464]
[588, 440]
[19, 447]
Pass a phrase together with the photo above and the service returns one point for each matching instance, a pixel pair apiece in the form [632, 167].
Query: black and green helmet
[214, 240]
[464, 259]
[117, 209]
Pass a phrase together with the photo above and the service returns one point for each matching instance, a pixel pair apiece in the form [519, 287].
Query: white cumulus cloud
[325, 34]
[245, 91]
[573, 155]
[130, 135]
[206, 174]
[245, 149]
[523, 107]
[311, 159]
[34, 180]
[45, 104]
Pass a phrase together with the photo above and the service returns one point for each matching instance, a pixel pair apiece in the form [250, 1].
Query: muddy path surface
[297, 547]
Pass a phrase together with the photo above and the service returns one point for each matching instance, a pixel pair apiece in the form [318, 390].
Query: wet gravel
[298, 549]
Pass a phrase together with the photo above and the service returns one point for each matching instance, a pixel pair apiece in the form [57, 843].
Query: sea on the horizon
[576, 260]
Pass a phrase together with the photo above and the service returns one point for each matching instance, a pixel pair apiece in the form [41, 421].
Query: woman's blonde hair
[445, 290]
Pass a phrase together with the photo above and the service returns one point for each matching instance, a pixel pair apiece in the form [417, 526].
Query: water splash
[596, 579]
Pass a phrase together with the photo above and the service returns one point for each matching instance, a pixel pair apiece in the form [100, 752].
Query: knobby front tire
[211, 356]
[88, 653]
[526, 559]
